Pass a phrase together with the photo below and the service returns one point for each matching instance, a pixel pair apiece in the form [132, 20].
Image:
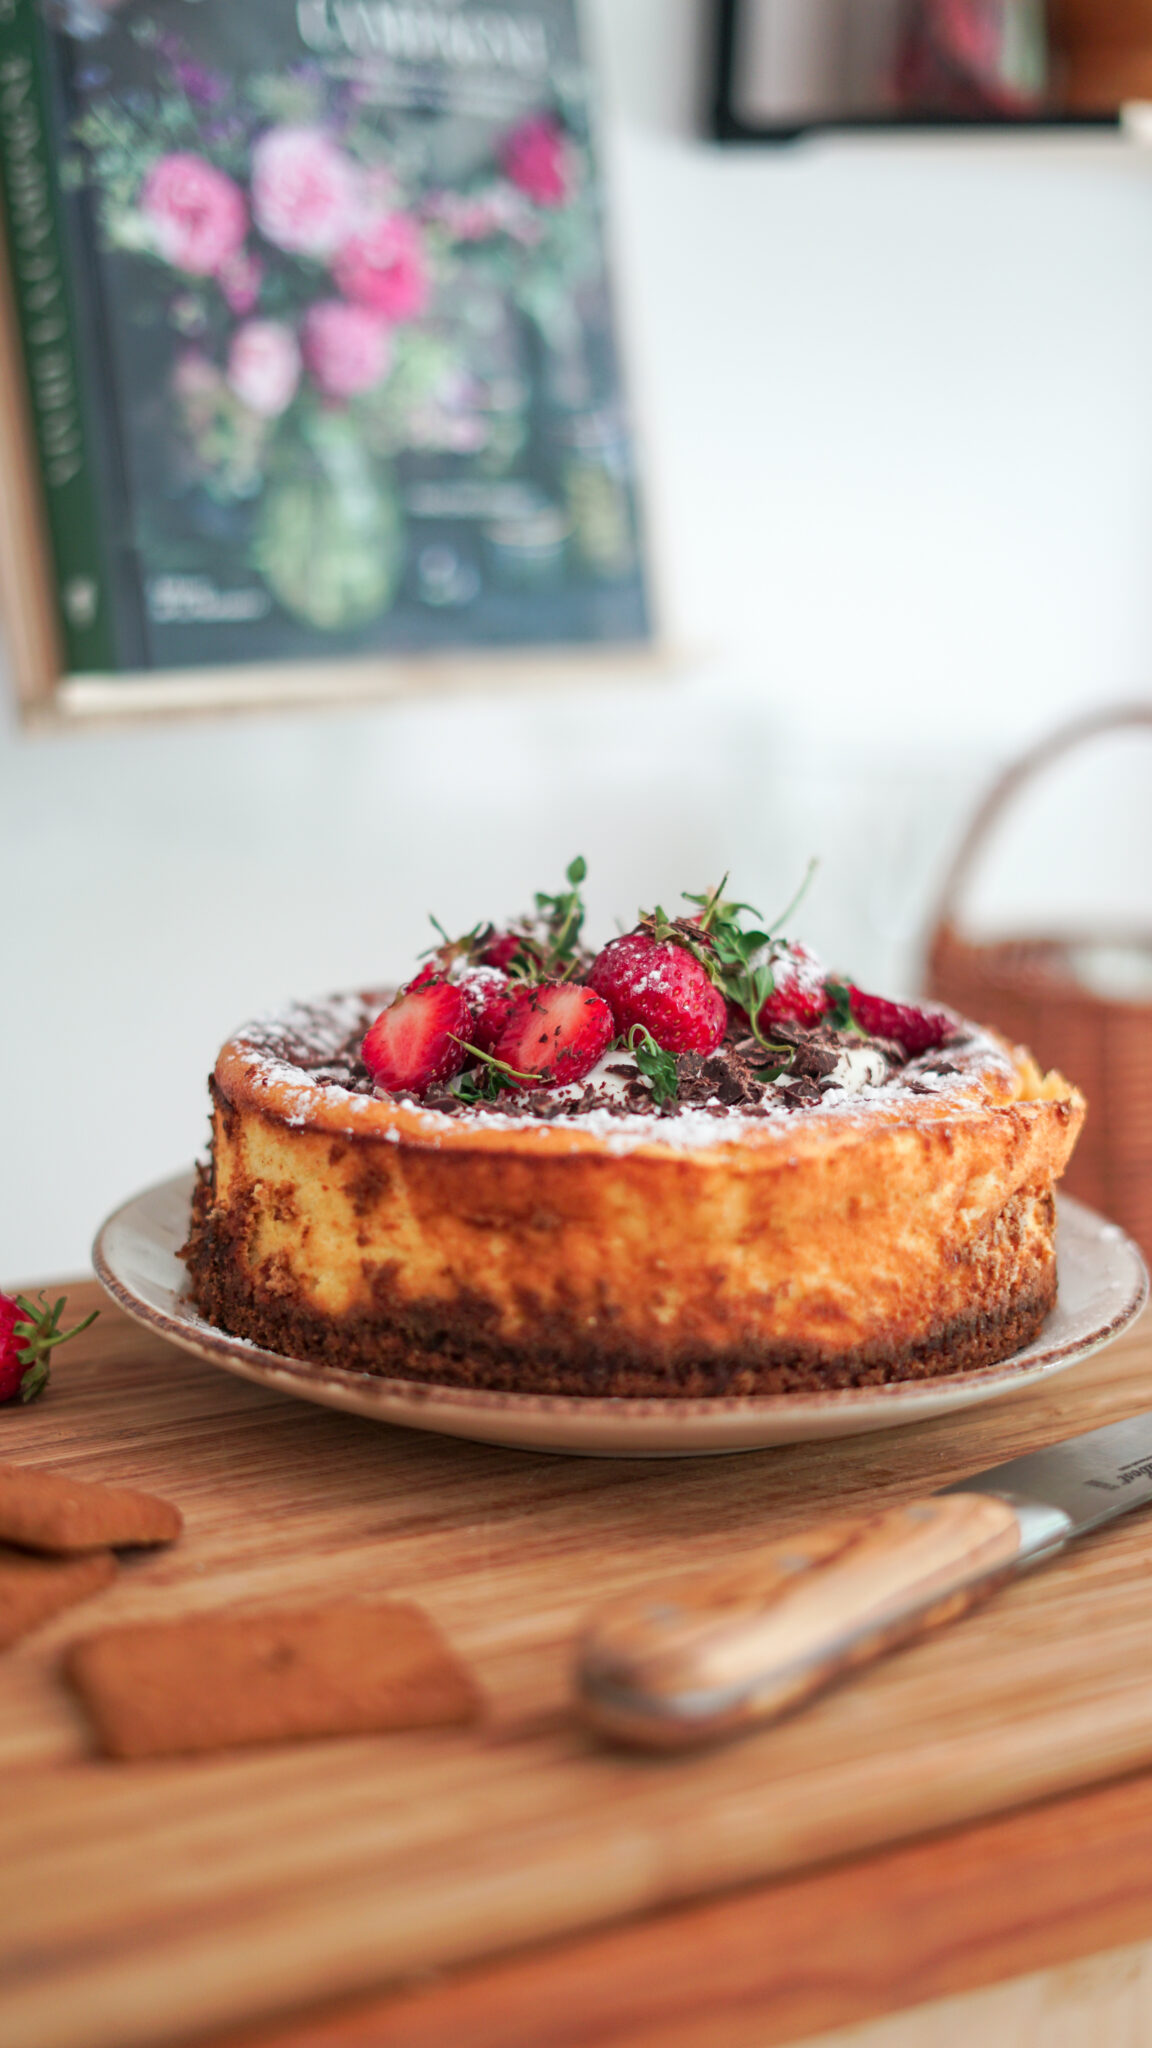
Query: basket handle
[1064, 740]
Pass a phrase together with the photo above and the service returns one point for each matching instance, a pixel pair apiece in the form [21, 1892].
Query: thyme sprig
[563, 919]
[738, 961]
[658, 1066]
[549, 943]
[449, 950]
[741, 962]
[494, 1076]
[549, 948]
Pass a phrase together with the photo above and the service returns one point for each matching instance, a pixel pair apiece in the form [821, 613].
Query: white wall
[897, 407]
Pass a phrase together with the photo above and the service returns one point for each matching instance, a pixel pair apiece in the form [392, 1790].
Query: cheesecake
[802, 1187]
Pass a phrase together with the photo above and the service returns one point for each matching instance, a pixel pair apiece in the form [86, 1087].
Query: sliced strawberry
[418, 1039]
[555, 1032]
[800, 995]
[489, 995]
[916, 1030]
[661, 985]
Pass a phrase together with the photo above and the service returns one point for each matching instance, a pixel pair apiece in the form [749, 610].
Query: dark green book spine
[45, 306]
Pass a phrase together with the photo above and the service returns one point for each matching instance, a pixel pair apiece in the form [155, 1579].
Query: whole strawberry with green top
[655, 978]
[28, 1335]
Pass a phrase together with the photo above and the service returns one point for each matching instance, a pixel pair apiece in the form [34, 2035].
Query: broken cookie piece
[46, 1511]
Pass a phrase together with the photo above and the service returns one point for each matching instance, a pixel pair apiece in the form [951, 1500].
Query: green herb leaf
[472, 1088]
[563, 919]
[527, 962]
[497, 1074]
[840, 1014]
[716, 906]
[740, 959]
[549, 955]
[658, 1066]
[450, 950]
[34, 1381]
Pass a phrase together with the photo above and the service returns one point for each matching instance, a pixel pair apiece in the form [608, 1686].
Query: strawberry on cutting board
[28, 1336]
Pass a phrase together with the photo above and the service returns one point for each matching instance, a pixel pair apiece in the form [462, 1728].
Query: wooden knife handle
[699, 1658]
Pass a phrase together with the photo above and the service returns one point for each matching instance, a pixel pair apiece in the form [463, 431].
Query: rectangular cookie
[33, 1589]
[46, 1511]
[216, 1681]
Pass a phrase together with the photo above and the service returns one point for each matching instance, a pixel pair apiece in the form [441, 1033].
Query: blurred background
[894, 404]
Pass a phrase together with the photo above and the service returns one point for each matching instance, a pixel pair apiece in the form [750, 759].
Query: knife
[700, 1658]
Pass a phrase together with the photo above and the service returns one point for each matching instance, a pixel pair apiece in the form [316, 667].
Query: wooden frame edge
[27, 600]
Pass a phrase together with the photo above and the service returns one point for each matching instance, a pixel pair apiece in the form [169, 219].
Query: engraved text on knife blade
[1091, 1478]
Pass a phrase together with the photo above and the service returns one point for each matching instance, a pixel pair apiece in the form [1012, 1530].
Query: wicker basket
[1028, 989]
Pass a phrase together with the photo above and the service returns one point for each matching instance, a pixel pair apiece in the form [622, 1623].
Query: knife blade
[707, 1656]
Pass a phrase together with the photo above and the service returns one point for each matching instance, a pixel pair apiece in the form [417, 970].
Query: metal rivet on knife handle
[710, 1655]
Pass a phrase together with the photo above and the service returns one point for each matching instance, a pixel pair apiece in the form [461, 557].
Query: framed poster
[787, 68]
[309, 378]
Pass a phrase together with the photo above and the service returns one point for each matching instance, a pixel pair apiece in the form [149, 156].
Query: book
[317, 334]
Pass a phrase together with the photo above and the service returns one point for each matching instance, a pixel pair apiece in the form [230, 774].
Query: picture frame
[490, 461]
[742, 109]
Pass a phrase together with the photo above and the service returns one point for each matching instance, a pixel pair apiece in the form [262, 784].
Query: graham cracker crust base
[445, 1344]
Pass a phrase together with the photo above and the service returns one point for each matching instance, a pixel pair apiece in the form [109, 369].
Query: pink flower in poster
[537, 158]
[264, 366]
[240, 278]
[385, 268]
[196, 214]
[348, 349]
[305, 192]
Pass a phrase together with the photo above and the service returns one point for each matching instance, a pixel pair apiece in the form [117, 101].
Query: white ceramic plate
[1103, 1286]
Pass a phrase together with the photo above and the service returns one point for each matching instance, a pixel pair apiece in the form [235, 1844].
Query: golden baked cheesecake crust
[865, 1227]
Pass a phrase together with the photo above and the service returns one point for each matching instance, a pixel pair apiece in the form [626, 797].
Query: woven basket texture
[1026, 988]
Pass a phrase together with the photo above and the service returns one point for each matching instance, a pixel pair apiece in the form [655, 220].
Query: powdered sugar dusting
[308, 1057]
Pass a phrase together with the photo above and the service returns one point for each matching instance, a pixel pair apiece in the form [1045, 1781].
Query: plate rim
[902, 1400]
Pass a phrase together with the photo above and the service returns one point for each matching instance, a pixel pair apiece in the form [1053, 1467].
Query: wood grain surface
[148, 1903]
[999, 1904]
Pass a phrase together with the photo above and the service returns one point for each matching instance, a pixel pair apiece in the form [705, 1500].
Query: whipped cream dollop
[613, 1076]
[859, 1066]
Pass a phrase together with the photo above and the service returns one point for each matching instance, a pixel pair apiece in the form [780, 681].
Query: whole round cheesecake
[808, 1205]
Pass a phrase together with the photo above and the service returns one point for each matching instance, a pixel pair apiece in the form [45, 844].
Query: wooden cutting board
[146, 1903]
